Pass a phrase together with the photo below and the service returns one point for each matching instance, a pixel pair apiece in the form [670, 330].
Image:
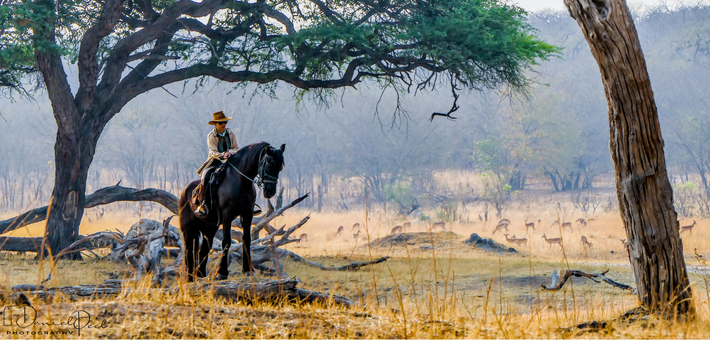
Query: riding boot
[202, 209]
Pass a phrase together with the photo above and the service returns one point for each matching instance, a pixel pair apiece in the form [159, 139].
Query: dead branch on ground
[557, 284]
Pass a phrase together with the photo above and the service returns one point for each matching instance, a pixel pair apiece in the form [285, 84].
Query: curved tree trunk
[644, 191]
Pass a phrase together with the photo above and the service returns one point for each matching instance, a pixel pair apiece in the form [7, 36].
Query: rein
[255, 181]
[261, 177]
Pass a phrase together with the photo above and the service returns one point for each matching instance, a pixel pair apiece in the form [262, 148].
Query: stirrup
[201, 210]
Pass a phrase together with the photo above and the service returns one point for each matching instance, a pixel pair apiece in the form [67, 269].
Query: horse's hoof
[221, 277]
[249, 274]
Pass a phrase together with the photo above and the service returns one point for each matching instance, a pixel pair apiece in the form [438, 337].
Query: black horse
[234, 197]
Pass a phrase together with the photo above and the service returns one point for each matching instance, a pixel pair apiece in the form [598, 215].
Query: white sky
[536, 5]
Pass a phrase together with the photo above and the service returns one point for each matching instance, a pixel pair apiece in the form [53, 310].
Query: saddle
[215, 179]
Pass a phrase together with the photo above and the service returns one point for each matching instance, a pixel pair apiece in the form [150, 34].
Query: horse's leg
[247, 266]
[223, 272]
[207, 239]
[192, 238]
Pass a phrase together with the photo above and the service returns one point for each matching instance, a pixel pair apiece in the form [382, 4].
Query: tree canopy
[139, 45]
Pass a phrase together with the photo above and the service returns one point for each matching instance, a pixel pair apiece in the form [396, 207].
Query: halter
[260, 177]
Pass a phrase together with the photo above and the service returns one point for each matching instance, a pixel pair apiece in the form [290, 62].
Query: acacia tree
[124, 48]
[642, 185]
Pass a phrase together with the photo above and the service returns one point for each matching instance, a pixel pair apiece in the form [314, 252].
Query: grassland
[434, 286]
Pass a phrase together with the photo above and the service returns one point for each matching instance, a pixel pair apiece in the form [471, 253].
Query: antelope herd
[503, 225]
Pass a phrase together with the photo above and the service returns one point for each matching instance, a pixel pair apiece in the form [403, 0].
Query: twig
[594, 277]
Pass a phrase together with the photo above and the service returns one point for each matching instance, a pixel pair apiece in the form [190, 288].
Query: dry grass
[450, 290]
[434, 286]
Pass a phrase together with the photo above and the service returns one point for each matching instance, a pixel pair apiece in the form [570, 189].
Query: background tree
[126, 48]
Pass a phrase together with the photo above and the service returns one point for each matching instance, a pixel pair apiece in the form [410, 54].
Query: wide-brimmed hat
[219, 117]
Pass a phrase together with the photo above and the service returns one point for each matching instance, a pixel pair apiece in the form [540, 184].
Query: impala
[501, 226]
[551, 241]
[436, 225]
[585, 242]
[688, 228]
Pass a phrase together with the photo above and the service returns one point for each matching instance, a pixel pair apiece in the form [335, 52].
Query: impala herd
[501, 225]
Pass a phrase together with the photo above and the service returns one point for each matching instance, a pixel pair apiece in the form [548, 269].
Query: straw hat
[219, 117]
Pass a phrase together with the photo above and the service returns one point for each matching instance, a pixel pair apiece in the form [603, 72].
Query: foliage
[309, 44]
[495, 191]
[518, 138]
[689, 200]
[448, 212]
[401, 194]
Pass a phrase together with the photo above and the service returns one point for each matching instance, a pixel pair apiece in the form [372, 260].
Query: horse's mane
[250, 155]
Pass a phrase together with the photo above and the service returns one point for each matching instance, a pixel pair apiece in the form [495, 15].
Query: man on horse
[221, 144]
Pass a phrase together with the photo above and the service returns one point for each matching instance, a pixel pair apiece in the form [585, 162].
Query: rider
[221, 144]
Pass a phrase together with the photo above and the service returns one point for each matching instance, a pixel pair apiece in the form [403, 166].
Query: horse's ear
[269, 151]
[283, 148]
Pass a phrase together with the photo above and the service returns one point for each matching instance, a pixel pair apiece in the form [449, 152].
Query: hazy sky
[536, 5]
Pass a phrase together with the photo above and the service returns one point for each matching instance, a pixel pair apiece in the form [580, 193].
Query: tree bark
[644, 191]
[67, 204]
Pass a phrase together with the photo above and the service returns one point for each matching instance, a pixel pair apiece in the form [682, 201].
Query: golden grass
[450, 290]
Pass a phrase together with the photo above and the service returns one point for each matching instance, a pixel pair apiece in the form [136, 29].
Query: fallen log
[284, 290]
[20, 243]
[109, 195]
[99, 197]
[34, 244]
[557, 283]
[144, 236]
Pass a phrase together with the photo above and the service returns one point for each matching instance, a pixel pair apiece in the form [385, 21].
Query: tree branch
[273, 214]
[88, 59]
[348, 267]
[118, 60]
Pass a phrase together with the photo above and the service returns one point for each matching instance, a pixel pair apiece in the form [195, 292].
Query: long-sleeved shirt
[213, 148]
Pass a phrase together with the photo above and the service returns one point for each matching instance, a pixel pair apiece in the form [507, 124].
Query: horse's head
[271, 164]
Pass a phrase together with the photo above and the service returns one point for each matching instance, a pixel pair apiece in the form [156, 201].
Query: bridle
[260, 177]
[264, 177]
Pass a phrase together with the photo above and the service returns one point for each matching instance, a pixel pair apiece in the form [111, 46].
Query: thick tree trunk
[67, 202]
[644, 191]
[73, 157]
